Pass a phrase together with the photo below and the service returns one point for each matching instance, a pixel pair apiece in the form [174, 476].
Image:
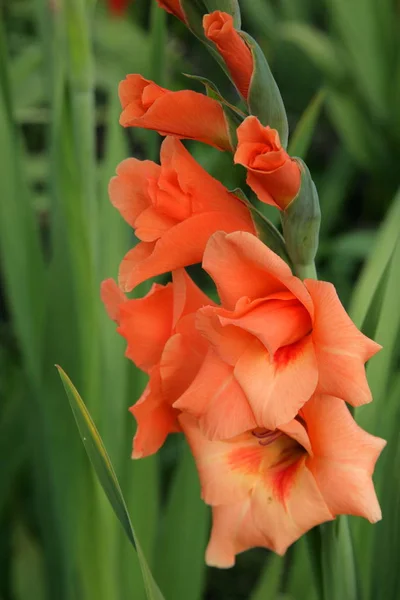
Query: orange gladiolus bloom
[184, 114]
[173, 7]
[163, 342]
[174, 209]
[271, 173]
[268, 488]
[219, 29]
[273, 343]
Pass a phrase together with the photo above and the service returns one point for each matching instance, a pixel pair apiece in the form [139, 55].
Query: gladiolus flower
[271, 173]
[219, 29]
[163, 342]
[184, 114]
[174, 209]
[173, 7]
[268, 488]
[273, 343]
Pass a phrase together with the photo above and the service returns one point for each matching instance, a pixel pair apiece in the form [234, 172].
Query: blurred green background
[337, 63]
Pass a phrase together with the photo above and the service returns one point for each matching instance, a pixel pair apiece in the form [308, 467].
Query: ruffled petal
[217, 400]
[277, 389]
[188, 297]
[128, 191]
[181, 246]
[146, 324]
[344, 457]
[155, 419]
[341, 349]
[112, 298]
[241, 265]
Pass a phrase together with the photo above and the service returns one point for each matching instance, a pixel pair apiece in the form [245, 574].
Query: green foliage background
[337, 63]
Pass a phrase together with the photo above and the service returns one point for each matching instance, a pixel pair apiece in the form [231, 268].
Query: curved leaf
[104, 470]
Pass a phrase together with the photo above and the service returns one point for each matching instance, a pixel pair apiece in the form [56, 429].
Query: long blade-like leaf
[104, 470]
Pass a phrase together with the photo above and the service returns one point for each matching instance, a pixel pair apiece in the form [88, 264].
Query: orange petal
[220, 485]
[344, 457]
[271, 173]
[184, 114]
[217, 400]
[112, 298]
[229, 342]
[151, 224]
[276, 389]
[340, 347]
[181, 246]
[241, 265]
[155, 419]
[218, 28]
[146, 324]
[206, 193]
[260, 520]
[275, 323]
[129, 189]
[188, 297]
[180, 362]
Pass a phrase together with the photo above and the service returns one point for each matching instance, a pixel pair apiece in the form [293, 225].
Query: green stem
[306, 271]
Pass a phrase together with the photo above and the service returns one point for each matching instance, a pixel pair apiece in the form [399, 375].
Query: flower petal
[276, 389]
[340, 347]
[112, 298]
[146, 324]
[184, 114]
[218, 28]
[344, 458]
[217, 400]
[155, 419]
[188, 297]
[181, 246]
[241, 265]
[129, 189]
[262, 520]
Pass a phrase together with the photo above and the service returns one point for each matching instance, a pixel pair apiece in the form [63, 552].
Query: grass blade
[373, 271]
[105, 472]
[302, 137]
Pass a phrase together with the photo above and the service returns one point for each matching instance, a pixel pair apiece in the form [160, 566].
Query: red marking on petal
[284, 478]
[287, 354]
[246, 460]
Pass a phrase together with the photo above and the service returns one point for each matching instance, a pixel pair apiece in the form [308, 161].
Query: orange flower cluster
[259, 383]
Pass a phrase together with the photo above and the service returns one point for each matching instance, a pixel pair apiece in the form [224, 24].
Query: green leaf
[180, 552]
[337, 556]
[374, 269]
[264, 98]
[302, 136]
[358, 24]
[104, 470]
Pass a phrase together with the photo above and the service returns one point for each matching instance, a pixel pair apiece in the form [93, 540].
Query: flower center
[266, 436]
